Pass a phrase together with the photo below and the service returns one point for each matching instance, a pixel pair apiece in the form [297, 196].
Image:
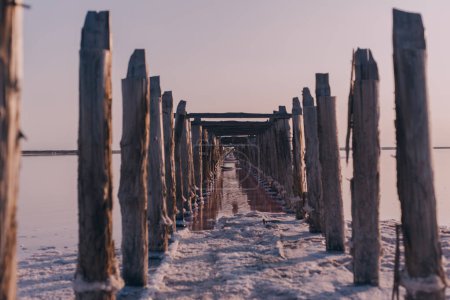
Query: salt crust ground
[242, 258]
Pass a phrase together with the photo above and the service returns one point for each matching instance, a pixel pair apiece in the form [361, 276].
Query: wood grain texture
[133, 170]
[331, 166]
[365, 184]
[414, 162]
[10, 98]
[313, 169]
[158, 221]
[169, 155]
[96, 258]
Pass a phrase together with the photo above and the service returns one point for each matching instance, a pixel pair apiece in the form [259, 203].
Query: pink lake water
[47, 208]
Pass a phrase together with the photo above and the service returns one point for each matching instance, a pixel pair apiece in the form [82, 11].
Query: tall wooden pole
[158, 221]
[10, 85]
[331, 166]
[313, 169]
[186, 166]
[96, 275]
[197, 139]
[365, 114]
[426, 278]
[133, 171]
[180, 124]
[298, 156]
[169, 155]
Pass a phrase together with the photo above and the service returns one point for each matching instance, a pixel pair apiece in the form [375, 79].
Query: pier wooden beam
[169, 156]
[97, 276]
[237, 115]
[365, 184]
[10, 98]
[158, 221]
[133, 173]
[313, 170]
[423, 254]
[331, 166]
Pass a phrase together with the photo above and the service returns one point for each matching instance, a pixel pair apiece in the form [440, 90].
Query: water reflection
[235, 191]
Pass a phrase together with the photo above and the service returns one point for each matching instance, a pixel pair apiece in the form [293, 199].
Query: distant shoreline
[75, 152]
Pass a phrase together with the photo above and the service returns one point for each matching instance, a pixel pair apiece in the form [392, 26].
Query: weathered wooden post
[169, 155]
[133, 170]
[186, 167]
[331, 166]
[192, 194]
[425, 276]
[313, 168]
[364, 116]
[206, 161]
[158, 221]
[10, 84]
[298, 157]
[197, 149]
[180, 127]
[96, 276]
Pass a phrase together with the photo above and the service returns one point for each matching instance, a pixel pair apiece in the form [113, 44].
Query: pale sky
[220, 56]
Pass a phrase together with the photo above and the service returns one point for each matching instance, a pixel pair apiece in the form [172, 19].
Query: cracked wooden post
[314, 201]
[331, 166]
[298, 156]
[364, 116]
[133, 171]
[284, 169]
[423, 254]
[180, 124]
[192, 194]
[158, 221]
[169, 156]
[97, 276]
[205, 159]
[11, 83]
[197, 149]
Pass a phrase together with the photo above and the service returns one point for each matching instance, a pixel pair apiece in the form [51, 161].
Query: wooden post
[331, 166]
[96, 276]
[10, 84]
[158, 221]
[426, 278]
[205, 158]
[313, 170]
[169, 156]
[298, 151]
[192, 194]
[133, 171]
[364, 117]
[185, 167]
[180, 124]
[197, 149]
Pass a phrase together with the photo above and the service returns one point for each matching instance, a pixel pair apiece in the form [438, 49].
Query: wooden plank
[10, 99]
[169, 156]
[414, 163]
[236, 115]
[331, 167]
[365, 114]
[315, 217]
[96, 275]
[158, 221]
[133, 171]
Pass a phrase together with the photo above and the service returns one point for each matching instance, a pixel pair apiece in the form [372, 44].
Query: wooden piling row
[423, 254]
[331, 166]
[10, 135]
[365, 184]
[133, 170]
[96, 258]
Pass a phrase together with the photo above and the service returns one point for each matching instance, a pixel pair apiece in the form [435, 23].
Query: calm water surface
[47, 208]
